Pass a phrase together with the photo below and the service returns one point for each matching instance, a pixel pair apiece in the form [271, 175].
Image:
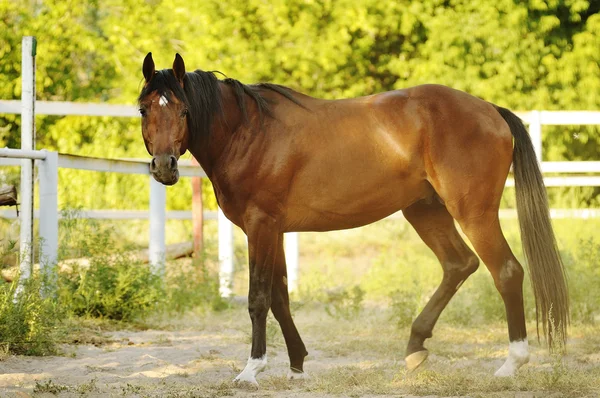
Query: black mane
[202, 96]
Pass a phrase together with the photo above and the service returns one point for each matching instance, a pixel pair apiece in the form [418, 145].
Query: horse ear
[148, 67]
[179, 68]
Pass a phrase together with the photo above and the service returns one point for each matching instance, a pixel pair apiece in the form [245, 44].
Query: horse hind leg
[436, 227]
[487, 238]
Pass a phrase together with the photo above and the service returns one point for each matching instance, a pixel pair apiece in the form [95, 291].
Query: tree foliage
[524, 55]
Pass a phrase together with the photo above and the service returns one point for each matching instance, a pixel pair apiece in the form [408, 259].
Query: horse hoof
[293, 374]
[415, 359]
[246, 381]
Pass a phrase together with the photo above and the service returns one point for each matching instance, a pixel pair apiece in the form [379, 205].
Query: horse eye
[184, 113]
[142, 112]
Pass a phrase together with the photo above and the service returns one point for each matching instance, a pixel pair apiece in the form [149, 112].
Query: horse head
[164, 110]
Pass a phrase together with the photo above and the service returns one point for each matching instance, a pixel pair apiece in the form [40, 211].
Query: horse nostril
[173, 162]
[153, 165]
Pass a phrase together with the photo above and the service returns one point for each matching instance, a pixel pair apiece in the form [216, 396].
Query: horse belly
[335, 201]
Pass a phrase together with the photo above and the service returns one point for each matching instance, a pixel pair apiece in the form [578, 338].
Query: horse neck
[209, 148]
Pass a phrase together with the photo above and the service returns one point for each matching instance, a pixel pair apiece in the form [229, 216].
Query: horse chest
[228, 202]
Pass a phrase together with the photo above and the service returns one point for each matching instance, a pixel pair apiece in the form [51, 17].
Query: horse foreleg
[436, 227]
[280, 306]
[263, 241]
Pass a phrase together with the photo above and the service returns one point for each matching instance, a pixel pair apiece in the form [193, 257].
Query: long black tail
[546, 269]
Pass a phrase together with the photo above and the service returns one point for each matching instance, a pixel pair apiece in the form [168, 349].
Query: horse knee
[258, 306]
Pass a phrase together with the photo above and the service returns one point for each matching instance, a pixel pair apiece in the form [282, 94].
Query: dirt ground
[199, 355]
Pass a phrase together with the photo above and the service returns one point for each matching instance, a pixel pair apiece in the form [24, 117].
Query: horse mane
[202, 96]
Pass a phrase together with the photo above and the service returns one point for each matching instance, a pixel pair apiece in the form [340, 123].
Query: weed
[344, 303]
[88, 387]
[50, 387]
[130, 389]
[557, 354]
[404, 307]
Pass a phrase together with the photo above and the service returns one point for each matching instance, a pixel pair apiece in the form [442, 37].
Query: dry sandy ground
[200, 357]
[156, 363]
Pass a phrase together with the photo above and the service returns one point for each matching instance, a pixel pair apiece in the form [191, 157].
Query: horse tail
[546, 269]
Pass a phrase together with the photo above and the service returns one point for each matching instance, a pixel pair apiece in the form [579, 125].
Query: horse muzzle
[164, 169]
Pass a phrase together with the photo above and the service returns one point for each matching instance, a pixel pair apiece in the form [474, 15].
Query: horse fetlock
[518, 355]
[420, 331]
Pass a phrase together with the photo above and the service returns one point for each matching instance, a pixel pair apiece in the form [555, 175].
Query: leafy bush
[188, 287]
[28, 324]
[404, 307]
[118, 286]
[113, 287]
[344, 303]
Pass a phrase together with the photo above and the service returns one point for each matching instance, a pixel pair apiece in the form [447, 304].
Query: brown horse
[282, 161]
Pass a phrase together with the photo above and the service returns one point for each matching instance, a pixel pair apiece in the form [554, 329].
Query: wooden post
[197, 213]
[8, 196]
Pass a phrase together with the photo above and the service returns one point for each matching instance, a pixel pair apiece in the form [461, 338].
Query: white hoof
[246, 378]
[518, 355]
[294, 374]
[253, 367]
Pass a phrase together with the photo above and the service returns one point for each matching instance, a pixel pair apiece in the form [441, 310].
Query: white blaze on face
[163, 101]
[518, 355]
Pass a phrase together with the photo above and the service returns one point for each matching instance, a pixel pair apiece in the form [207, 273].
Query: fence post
[535, 132]
[158, 216]
[27, 142]
[48, 176]
[291, 259]
[225, 254]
